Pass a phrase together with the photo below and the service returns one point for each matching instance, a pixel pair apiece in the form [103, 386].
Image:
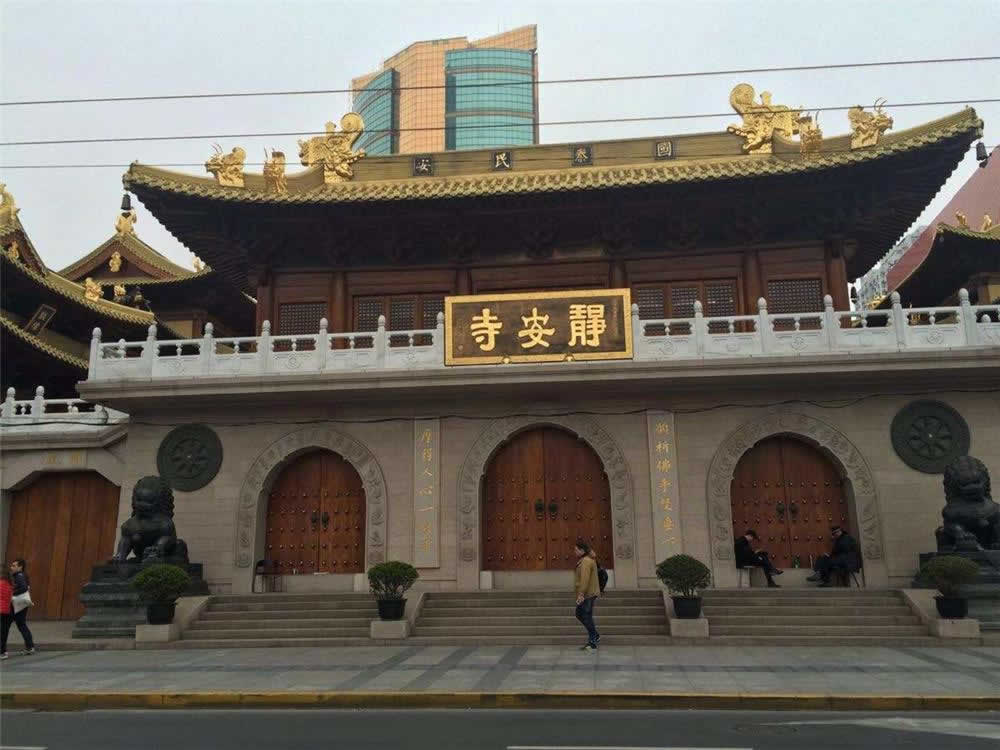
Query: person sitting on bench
[843, 558]
[749, 557]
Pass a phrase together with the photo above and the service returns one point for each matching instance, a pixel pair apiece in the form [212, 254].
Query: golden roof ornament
[274, 172]
[987, 223]
[120, 293]
[867, 127]
[8, 208]
[333, 150]
[91, 289]
[115, 262]
[198, 265]
[227, 168]
[760, 121]
[961, 219]
[125, 222]
[14, 251]
[810, 136]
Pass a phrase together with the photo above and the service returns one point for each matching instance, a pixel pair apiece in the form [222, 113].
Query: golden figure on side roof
[125, 222]
[867, 127]
[810, 136]
[120, 293]
[227, 168]
[961, 219]
[987, 223]
[115, 262]
[333, 150]
[760, 121]
[8, 208]
[274, 172]
[14, 251]
[198, 265]
[91, 289]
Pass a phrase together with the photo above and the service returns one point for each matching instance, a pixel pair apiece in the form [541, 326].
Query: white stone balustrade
[700, 337]
[14, 412]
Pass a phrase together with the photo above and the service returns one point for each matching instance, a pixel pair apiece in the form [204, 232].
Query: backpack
[602, 577]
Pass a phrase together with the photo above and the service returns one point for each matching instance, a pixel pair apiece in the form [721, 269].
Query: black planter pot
[391, 609]
[160, 613]
[952, 607]
[687, 607]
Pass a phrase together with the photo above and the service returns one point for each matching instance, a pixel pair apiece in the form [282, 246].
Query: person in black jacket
[19, 580]
[844, 556]
[747, 556]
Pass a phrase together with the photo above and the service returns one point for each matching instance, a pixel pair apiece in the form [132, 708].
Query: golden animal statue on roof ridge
[333, 150]
[198, 265]
[227, 168]
[274, 172]
[120, 293]
[961, 219]
[810, 135]
[14, 251]
[8, 208]
[760, 121]
[91, 289]
[115, 262]
[125, 222]
[987, 223]
[867, 127]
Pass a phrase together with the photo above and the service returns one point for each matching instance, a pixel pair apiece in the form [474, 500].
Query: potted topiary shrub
[389, 581]
[684, 577]
[159, 586]
[948, 573]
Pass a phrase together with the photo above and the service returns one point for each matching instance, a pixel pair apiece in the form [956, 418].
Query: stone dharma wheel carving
[928, 435]
[189, 457]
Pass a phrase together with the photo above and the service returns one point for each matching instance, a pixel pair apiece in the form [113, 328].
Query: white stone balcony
[765, 334]
[63, 411]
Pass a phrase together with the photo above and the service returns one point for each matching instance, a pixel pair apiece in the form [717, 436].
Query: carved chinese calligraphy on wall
[663, 488]
[426, 493]
[538, 327]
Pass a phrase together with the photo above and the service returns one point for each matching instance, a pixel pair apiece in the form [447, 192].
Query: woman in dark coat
[21, 585]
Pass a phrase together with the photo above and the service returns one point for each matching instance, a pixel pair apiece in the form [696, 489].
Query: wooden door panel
[513, 532]
[292, 535]
[342, 517]
[816, 500]
[757, 497]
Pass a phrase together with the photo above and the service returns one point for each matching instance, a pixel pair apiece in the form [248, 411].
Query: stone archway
[499, 432]
[830, 440]
[275, 457]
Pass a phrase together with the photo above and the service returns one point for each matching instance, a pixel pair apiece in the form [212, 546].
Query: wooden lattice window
[300, 317]
[676, 300]
[402, 313]
[795, 296]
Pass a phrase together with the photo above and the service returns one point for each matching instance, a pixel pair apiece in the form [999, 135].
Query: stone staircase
[807, 617]
[527, 618]
[256, 620]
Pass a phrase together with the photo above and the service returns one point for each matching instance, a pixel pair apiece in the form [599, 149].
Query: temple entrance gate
[790, 494]
[542, 490]
[316, 517]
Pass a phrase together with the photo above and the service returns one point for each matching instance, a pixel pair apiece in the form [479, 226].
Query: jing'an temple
[467, 360]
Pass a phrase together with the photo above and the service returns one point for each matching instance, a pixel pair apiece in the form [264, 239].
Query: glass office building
[434, 103]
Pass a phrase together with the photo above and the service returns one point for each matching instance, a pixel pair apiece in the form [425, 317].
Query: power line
[600, 121]
[595, 79]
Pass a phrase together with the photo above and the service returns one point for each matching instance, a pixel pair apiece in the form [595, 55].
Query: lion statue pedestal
[113, 606]
[971, 529]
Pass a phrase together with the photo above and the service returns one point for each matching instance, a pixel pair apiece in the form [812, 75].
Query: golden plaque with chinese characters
[538, 327]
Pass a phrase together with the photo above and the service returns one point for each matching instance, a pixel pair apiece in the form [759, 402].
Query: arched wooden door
[316, 517]
[790, 494]
[543, 490]
[62, 524]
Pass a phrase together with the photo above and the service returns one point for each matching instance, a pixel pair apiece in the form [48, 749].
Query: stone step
[553, 610]
[818, 630]
[529, 632]
[275, 624]
[819, 641]
[281, 614]
[241, 633]
[811, 619]
[821, 601]
[562, 600]
[255, 598]
[519, 594]
[358, 606]
[603, 621]
[809, 590]
[271, 642]
[574, 641]
[713, 611]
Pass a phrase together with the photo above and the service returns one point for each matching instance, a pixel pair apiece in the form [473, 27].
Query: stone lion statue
[149, 533]
[971, 518]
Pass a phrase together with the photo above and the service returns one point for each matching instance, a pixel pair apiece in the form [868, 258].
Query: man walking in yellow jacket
[588, 588]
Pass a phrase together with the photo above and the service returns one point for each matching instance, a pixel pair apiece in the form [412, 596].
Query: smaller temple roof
[10, 326]
[13, 239]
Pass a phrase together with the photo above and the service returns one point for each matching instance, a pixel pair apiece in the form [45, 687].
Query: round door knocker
[189, 457]
[928, 435]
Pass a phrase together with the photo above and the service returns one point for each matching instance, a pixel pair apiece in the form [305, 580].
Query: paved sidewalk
[690, 670]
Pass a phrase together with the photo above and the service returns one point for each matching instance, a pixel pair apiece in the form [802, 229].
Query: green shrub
[390, 580]
[683, 575]
[161, 583]
[948, 573]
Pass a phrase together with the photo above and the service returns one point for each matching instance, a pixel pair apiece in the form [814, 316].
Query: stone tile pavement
[958, 671]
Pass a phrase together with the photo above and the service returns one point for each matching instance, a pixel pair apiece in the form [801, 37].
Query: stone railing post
[322, 345]
[38, 405]
[439, 339]
[899, 322]
[763, 326]
[700, 329]
[968, 319]
[638, 345]
[830, 323]
[9, 407]
[207, 349]
[95, 351]
[264, 347]
[381, 343]
[150, 350]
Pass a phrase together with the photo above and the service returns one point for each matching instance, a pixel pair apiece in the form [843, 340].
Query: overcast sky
[129, 48]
